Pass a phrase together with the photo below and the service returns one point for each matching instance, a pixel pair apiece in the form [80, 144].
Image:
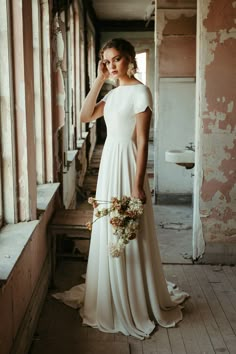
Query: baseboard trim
[28, 325]
[173, 198]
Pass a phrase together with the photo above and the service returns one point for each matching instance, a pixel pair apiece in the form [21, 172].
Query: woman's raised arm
[90, 109]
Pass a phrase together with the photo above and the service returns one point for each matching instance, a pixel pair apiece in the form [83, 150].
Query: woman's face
[116, 63]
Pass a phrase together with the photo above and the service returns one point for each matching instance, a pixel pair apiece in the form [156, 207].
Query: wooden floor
[208, 326]
[209, 322]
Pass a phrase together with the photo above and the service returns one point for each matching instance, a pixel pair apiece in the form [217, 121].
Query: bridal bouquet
[124, 217]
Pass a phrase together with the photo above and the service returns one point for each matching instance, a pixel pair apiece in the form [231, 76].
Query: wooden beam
[126, 26]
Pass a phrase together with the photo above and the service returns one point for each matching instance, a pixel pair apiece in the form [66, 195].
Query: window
[91, 53]
[38, 92]
[7, 150]
[41, 96]
[141, 59]
[82, 71]
[25, 85]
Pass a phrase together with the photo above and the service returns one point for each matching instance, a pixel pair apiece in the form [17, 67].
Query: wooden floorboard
[199, 312]
[188, 325]
[208, 325]
[162, 341]
[219, 306]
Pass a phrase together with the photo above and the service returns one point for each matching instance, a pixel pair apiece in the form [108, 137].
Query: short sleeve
[104, 99]
[142, 99]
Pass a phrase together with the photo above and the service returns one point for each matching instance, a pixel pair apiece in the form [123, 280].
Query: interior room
[49, 53]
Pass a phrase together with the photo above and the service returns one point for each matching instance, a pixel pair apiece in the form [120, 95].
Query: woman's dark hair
[124, 47]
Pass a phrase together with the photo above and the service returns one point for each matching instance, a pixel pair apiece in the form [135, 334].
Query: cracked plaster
[217, 112]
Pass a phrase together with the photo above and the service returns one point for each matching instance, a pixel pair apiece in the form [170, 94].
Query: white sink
[179, 156]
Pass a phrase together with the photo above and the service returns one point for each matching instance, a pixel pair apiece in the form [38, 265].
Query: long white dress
[128, 294]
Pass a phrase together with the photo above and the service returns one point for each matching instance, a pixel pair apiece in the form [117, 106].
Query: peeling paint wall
[217, 121]
[177, 43]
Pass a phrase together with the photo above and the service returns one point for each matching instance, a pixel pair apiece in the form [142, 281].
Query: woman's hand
[139, 193]
[102, 70]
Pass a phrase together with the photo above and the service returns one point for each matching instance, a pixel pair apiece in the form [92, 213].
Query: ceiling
[135, 10]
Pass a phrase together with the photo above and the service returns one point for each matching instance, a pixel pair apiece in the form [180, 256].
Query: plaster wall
[175, 120]
[177, 56]
[215, 187]
[176, 32]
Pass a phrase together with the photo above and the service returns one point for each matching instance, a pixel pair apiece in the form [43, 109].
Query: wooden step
[71, 219]
[65, 224]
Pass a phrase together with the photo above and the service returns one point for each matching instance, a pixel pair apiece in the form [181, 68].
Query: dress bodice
[122, 104]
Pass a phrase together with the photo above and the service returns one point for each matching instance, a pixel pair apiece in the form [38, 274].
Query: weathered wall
[177, 43]
[215, 185]
[175, 121]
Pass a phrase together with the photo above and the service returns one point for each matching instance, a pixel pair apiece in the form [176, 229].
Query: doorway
[174, 102]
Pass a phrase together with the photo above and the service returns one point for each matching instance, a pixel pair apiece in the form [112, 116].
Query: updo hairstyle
[124, 47]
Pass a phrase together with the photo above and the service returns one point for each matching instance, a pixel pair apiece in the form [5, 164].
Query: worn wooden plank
[232, 279]
[231, 276]
[176, 341]
[71, 217]
[200, 313]
[216, 321]
[187, 325]
[65, 345]
[119, 337]
[162, 341]
[95, 334]
[135, 345]
[101, 347]
[149, 345]
[207, 327]
[224, 313]
[227, 296]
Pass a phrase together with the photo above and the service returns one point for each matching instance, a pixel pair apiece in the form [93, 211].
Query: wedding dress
[128, 294]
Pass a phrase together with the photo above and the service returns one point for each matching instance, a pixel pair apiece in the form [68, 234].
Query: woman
[127, 294]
